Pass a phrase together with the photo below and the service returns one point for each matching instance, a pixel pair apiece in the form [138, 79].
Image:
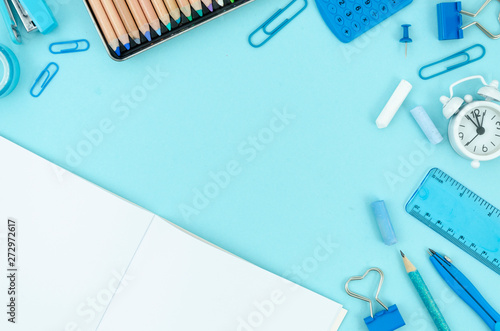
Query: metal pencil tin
[177, 29]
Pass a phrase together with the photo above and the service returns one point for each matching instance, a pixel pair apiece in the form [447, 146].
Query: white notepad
[89, 260]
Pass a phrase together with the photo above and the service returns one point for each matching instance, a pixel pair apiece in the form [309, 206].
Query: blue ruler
[459, 215]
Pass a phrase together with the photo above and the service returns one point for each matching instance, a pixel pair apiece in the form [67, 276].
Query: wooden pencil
[162, 13]
[196, 4]
[174, 10]
[425, 295]
[185, 8]
[128, 20]
[140, 18]
[105, 25]
[116, 22]
[208, 4]
[151, 16]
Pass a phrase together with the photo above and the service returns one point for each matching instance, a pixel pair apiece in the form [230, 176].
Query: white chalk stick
[392, 106]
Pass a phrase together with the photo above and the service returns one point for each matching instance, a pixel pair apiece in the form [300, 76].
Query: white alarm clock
[474, 129]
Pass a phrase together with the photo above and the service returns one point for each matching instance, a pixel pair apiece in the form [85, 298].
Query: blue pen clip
[264, 27]
[80, 45]
[41, 82]
[463, 53]
[465, 290]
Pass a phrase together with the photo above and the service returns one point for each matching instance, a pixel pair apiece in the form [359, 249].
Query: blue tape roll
[11, 71]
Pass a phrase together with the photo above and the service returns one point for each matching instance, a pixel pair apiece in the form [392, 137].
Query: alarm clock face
[478, 129]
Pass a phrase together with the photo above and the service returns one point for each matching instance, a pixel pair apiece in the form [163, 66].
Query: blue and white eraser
[11, 71]
[41, 15]
[384, 222]
[427, 125]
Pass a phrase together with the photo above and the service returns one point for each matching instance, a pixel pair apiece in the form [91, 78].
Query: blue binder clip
[389, 319]
[450, 21]
[34, 14]
[264, 27]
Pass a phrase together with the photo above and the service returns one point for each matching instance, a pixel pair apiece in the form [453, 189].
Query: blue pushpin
[406, 37]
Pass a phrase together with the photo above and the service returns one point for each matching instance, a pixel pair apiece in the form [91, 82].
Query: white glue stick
[392, 106]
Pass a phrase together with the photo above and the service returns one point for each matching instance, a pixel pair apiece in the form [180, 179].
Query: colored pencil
[162, 12]
[196, 4]
[174, 11]
[105, 25]
[220, 2]
[185, 8]
[128, 20]
[208, 4]
[425, 295]
[116, 22]
[140, 19]
[151, 16]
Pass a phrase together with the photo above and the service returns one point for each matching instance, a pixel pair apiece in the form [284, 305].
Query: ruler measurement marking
[447, 230]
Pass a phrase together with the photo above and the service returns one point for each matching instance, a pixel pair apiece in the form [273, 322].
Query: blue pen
[465, 290]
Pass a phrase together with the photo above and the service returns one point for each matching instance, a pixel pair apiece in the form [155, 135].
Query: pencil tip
[148, 35]
[158, 32]
[137, 40]
[402, 254]
[169, 27]
[190, 18]
[210, 7]
[117, 51]
[127, 46]
[431, 252]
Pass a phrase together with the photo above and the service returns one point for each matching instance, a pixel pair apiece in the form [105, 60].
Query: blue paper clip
[76, 46]
[465, 62]
[273, 32]
[42, 84]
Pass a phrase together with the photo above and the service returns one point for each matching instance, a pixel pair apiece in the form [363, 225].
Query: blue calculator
[348, 19]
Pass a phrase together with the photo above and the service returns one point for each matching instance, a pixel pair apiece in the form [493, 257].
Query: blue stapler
[34, 14]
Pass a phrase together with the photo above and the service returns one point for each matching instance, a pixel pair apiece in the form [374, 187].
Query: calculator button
[346, 32]
[332, 9]
[341, 3]
[383, 8]
[367, 3]
[374, 14]
[356, 26]
[358, 8]
[393, 3]
[339, 20]
[365, 20]
[348, 14]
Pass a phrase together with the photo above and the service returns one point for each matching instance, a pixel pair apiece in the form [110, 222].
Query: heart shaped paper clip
[357, 296]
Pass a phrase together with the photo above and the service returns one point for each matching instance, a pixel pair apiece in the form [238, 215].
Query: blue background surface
[311, 182]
